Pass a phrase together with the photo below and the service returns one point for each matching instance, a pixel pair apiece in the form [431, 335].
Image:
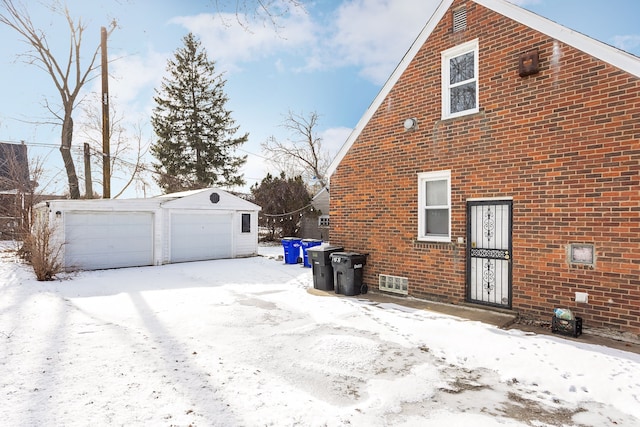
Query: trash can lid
[325, 248]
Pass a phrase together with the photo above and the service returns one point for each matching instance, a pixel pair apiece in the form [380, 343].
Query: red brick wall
[564, 144]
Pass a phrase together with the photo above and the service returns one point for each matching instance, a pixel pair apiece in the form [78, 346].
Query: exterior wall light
[410, 123]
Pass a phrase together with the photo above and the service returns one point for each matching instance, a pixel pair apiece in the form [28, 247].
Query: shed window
[246, 223]
[434, 206]
[460, 80]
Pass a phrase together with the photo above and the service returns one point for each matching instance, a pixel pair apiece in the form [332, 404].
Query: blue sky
[331, 58]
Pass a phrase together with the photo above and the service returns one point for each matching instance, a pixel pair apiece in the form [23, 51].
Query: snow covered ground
[243, 343]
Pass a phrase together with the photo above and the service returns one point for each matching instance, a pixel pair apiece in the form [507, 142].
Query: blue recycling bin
[291, 247]
[306, 244]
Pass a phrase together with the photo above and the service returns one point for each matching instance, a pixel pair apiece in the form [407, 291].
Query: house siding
[246, 244]
[563, 145]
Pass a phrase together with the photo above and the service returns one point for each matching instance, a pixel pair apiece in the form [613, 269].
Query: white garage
[189, 226]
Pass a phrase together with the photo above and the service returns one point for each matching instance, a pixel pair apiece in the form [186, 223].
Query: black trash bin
[347, 273]
[319, 258]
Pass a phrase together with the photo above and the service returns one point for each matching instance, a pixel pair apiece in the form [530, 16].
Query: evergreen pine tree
[195, 133]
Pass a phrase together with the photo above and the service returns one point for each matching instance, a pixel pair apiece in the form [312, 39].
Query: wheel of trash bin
[364, 289]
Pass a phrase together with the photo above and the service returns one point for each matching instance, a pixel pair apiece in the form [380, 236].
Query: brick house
[500, 165]
[15, 190]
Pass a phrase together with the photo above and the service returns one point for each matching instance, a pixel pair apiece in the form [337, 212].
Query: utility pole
[106, 157]
[87, 172]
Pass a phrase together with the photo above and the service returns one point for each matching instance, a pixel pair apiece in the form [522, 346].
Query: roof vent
[214, 198]
[460, 19]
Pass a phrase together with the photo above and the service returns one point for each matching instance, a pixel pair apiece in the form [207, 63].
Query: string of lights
[289, 214]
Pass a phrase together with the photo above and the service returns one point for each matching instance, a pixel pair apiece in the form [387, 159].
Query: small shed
[194, 225]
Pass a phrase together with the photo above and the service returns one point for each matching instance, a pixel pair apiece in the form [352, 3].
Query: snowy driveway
[242, 343]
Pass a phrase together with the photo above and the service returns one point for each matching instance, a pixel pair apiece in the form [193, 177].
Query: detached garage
[189, 226]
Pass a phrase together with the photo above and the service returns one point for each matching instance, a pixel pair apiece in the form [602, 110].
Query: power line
[31, 144]
[95, 152]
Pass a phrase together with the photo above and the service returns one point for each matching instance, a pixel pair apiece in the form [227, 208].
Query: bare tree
[69, 75]
[42, 250]
[270, 11]
[301, 154]
[127, 145]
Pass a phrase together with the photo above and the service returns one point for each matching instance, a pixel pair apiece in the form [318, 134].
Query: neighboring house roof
[14, 166]
[321, 201]
[616, 57]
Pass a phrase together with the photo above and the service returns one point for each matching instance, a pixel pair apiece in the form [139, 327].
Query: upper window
[434, 206]
[460, 80]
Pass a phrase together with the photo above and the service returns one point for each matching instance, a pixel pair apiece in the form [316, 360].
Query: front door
[489, 252]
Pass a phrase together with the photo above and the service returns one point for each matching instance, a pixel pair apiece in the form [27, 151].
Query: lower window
[434, 206]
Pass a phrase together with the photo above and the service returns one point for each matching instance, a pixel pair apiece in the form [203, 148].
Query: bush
[42, 251]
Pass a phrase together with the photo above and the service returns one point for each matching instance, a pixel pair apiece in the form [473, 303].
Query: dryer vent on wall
[395, 284]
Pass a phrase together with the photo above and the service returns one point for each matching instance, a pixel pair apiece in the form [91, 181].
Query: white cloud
[231, 44]
[627, 42]
[254, 170]
[136, 74]
[370, 34]
[375, 34]
[334, 138]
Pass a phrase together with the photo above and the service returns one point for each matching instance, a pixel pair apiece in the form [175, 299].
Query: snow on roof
[192, 199]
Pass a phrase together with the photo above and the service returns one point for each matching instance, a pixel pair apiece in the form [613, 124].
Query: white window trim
[444, 69]
[422, 179]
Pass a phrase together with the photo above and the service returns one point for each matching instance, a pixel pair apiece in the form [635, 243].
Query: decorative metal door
[489, 252]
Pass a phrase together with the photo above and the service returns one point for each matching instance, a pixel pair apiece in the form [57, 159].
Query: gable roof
[616, 57]
[207, 198]
[321, 200]
[193, 199]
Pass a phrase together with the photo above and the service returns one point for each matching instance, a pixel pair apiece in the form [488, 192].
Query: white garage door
[98, 240]
[197, 237]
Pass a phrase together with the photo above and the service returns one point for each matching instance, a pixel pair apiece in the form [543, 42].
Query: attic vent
[214, 197]
[395, 284]
[460, 19]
